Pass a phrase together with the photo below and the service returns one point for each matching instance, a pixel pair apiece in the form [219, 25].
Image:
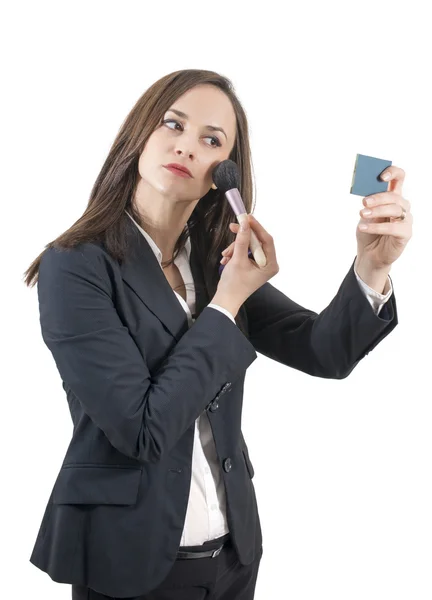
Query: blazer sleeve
[142, 414]
[329, 344]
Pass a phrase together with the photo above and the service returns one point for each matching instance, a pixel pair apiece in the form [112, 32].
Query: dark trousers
[220, 578]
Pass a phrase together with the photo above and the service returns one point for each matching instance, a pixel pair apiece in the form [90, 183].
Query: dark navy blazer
[136, 379]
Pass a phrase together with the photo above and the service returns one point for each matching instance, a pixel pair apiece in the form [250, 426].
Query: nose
[186, 146]
[186, 153]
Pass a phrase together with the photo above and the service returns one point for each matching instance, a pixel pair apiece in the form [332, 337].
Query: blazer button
[214, 405]
[227, 465]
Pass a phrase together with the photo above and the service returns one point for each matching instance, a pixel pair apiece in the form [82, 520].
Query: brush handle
[255, 244]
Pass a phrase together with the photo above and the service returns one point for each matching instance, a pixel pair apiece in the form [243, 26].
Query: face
[189, 140]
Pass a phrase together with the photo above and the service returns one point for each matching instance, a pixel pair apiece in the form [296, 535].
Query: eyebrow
[184, 116]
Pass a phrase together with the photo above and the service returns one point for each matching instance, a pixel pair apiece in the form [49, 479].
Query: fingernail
[386, 176]
[243, 226]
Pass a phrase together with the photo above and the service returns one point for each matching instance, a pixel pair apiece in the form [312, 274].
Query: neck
[162, 217]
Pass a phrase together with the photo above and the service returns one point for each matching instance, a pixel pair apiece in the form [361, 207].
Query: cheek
[143, 162]
[151, 146]
[150, 156]
[213, 164]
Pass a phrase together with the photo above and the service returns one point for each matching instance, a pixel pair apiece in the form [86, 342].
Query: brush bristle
[226, 175]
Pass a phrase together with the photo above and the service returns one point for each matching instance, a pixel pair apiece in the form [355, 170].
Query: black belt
[214, 548]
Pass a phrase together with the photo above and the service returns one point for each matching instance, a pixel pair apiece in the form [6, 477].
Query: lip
[178, 169]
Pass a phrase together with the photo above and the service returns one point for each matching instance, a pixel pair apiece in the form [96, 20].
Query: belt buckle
[217, 551]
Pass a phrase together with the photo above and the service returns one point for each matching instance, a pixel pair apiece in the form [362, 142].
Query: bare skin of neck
[175, 280]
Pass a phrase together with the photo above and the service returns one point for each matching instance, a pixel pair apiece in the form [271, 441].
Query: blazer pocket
[248, 464]
[89, 484]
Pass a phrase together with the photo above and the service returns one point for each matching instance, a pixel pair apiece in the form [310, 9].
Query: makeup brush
[226, 177]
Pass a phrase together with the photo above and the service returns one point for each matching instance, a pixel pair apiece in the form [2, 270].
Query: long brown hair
[104, 219]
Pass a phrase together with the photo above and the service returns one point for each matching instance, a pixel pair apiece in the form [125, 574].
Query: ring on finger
[402, 217]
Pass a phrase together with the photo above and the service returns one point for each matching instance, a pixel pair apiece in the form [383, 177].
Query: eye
[216, 140]
[211, 137]
[171, 121]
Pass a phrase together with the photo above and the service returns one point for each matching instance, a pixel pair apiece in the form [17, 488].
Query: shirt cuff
[376, 300]
[223, 310]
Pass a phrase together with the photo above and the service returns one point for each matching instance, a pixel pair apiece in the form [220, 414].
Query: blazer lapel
[202, 297]
[142, 272]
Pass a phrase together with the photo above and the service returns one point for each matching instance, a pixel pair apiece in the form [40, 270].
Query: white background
[342, 467]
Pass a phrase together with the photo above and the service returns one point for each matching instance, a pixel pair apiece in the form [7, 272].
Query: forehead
[208, 105]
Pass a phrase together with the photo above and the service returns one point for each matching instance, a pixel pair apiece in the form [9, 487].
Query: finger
[265, 239]
[228, 250]
[381, 198]
[385, 210]
[398, 229]
[261, 233]
[242, 241]
[397, 178]
[263, 236]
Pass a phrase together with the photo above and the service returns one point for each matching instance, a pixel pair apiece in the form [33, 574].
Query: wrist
[226, 303]
[375, 277]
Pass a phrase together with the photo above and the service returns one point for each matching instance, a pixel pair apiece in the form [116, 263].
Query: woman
[154, 499]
